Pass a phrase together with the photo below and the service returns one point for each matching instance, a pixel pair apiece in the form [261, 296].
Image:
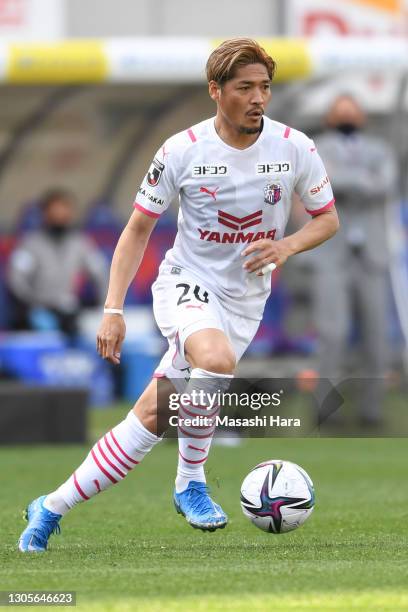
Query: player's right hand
[110, 336]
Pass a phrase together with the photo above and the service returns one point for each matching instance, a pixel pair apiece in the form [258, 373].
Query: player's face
[242, 100]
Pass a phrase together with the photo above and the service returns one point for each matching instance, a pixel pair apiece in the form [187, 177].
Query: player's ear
[214, 90]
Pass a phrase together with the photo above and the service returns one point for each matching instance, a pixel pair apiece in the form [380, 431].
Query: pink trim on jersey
[192, 135]
[176, 342]
[149, 213]
[158, 375]
[287, 132]
[313, 213]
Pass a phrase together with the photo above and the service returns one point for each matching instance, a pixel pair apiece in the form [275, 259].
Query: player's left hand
[266, 252]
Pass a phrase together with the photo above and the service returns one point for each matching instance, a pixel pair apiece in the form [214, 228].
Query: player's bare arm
[125, 263]
[319, 229]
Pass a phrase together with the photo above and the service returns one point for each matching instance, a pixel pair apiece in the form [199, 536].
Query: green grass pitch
[127, 549]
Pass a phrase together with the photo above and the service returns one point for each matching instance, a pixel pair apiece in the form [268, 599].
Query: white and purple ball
[277, 496]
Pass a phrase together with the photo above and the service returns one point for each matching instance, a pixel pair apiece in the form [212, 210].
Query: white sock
[195, 442]
[108, 462]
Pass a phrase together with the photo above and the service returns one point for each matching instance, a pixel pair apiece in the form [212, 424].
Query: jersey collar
[220, 141]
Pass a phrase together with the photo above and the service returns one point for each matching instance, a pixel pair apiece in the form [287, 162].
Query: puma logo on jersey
[164, 152]
[213, 194]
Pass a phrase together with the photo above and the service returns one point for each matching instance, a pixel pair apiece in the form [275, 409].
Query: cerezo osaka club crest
[273, 193]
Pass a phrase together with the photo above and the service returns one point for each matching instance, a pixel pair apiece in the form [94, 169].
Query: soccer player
[235, 175]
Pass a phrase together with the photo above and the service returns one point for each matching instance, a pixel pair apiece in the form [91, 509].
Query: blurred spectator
[351, 269]
[45, 269]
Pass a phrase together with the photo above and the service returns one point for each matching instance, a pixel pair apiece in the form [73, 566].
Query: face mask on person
[347, 128]
[57, 230]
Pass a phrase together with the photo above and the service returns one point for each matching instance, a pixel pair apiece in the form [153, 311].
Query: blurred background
[90, 90]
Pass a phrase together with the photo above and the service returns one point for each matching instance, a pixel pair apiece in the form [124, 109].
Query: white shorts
[182, 305]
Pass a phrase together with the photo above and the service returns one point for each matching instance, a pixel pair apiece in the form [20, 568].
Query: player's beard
[246, 130]
[251, 130]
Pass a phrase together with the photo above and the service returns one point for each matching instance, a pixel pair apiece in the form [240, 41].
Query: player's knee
[220, 361]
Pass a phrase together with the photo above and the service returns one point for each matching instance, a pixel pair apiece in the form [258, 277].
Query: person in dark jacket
[351, 270]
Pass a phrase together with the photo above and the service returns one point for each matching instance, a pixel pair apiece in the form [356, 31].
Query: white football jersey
[229, 198]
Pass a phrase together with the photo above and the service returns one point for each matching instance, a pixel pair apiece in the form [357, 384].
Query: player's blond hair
[233, 53]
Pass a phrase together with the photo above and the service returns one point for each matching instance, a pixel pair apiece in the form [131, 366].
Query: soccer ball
[277, 496]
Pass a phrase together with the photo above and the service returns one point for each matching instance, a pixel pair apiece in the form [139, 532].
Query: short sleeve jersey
[229, 198]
